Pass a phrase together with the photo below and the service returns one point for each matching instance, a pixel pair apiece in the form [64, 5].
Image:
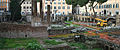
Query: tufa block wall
[22, 31]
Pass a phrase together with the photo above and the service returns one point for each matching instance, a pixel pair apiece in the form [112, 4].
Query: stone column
[48, 14]
[41, 10]
[34, 8]
[117, 20]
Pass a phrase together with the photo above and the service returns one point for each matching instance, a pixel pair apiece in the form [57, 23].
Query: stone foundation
[22, 31]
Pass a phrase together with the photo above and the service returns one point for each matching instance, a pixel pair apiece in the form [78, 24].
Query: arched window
[96, 7]
[110, 6]
[113, 5]
[117, 5]
[99, 6]
[102, 6]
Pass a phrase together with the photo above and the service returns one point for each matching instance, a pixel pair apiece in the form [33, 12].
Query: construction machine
[101, 23]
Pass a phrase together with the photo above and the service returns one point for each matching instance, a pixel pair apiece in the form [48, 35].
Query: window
[68, 12]
[59, 2]
[63, 7]
[54, 2]
[102, 6]
[45, 7]
[117, 5]
[50, 2]
[5, 4]
[45, 2]
[59, 7]
[68, 7]
[2, 8]
[50, 7]
[63, 12]
[27, 2]
[117, 13]
[24, 7]
[113, 5]
[54, 7]
[99, 6]
[27, 7]
[2, 4]
[110, 6]
[63, 2]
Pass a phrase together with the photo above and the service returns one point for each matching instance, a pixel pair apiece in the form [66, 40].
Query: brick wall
[22, 31]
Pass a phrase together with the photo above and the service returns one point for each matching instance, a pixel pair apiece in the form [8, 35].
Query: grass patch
[15, 42]
[80, 45]
[97, 49]
[52, 42]
[68, 22]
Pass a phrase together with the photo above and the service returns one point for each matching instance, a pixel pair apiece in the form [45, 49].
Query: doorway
[105, 12]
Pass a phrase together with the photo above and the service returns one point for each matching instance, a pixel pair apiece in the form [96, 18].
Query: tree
[84, 3]
[15, 9]
[74, 3]
[93, 4]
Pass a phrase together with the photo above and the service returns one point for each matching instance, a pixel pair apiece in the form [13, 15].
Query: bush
[34, 46]
[2, 42]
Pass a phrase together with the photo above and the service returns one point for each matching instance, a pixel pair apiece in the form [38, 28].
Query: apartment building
[4, 5]
[58, 7]
[82, 10]
[111, 7]
[26, 7]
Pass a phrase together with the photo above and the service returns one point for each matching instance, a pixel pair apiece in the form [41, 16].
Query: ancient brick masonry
[22, 31]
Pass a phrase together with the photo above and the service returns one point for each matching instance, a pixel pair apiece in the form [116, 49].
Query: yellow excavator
[101, 23]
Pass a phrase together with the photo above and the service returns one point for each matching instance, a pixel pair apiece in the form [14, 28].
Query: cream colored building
[82, 10]
[58, 7]
[26, 7]
[111, 7]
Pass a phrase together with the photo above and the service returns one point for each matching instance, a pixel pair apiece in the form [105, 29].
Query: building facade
[81, 10]
[58, 7]
[111, 7]
[4, 5]
[26, 8]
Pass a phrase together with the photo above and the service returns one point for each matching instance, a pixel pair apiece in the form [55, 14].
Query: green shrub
[2, 42]
[34, 46]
